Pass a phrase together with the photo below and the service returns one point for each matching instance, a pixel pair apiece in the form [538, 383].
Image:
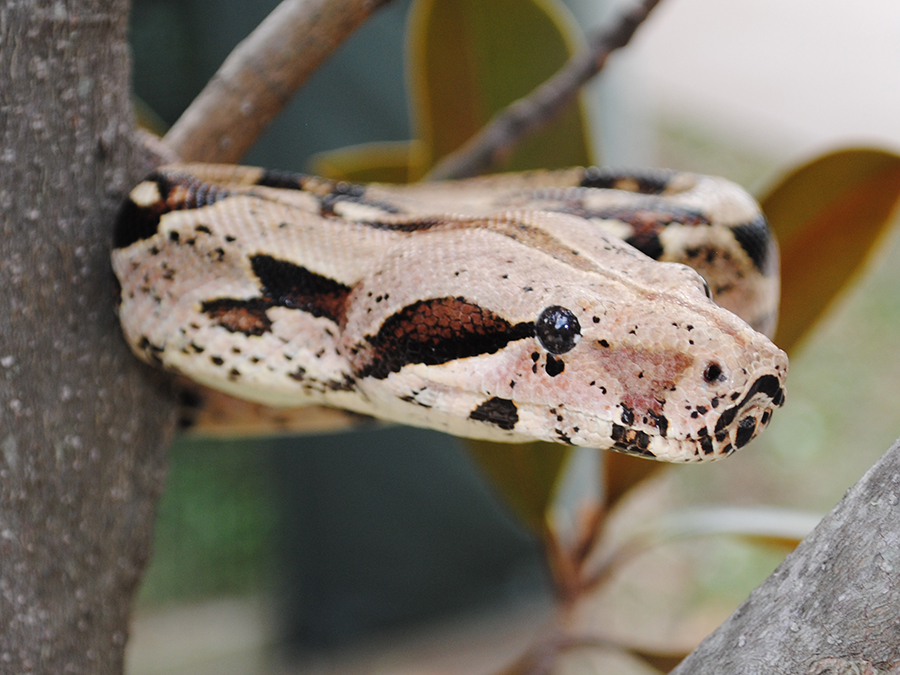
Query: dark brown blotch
[648, 223]
[239, 316]
[283, 180]
[285, 284]
[648, 182]
[554, 365]
[500, 412]
[755, 238]
[660, 422]
[152, 351]
[177, 192]
[631, 441]
[436, 331]
[745, 431]
[354, 193]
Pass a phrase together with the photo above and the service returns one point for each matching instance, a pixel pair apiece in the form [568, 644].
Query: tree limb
[259, 77]
[83, 425]
[833, 605]
[490, 145]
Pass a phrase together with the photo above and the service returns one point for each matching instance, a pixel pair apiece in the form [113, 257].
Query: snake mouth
[701, 448]
[734, 428]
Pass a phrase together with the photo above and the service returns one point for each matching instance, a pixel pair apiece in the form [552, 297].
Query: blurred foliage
[216, 528]
[469, 59]
[146, 117]
[525, 475]
[466, 61]
[384, 162]
[829, 215]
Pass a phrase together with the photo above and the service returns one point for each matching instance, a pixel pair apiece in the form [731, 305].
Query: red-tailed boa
[511, 307]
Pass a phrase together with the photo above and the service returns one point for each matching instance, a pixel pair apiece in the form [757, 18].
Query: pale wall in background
[793, 76]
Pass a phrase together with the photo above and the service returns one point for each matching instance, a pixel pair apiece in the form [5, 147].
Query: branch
[259, 77]
[833, 605]
[83, 424]
[523, 117]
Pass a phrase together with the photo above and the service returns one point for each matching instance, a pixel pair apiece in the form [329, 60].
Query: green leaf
[147, 118]
[370, 162]
[468, 59]
[828, 215]
[525, 475]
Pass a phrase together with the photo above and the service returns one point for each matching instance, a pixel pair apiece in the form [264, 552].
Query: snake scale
[546, 305]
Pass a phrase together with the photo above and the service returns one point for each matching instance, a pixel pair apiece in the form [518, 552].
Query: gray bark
[833, 605]
[83, 426]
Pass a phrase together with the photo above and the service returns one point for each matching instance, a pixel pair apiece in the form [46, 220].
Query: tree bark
[833, 606]
[83, 426]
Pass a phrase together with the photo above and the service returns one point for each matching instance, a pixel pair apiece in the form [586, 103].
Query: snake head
[591, 344]
[690, 383]
[515, 325]
[698, 386]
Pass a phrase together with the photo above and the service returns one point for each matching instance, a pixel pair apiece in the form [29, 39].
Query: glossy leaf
[525, 475]
[371, 162]
[828, 215]
[622, 472]
[468, 59]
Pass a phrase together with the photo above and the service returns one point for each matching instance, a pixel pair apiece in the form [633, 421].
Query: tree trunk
[833, 606]
[83, 426]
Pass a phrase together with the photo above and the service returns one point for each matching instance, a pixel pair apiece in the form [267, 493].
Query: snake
[621, 310]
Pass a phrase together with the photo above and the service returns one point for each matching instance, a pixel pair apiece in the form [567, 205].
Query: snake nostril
[712, 372]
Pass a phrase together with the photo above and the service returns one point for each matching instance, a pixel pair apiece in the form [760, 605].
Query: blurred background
[384, 550]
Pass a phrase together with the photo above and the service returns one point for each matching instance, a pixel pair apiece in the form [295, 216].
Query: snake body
[513, 307]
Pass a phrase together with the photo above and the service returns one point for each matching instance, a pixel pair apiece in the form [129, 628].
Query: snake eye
[713, 372]
[557, 329]
[706, 288]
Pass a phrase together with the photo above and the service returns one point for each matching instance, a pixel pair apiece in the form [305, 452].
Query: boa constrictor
[507, 307]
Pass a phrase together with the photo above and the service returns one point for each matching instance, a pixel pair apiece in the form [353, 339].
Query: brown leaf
[829, 216]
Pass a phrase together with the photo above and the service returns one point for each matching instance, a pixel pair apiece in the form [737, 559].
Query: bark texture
[83, 426]
[833, 606]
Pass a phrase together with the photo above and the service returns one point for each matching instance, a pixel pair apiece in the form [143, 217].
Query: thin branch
[487, 148]
[259, 77]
